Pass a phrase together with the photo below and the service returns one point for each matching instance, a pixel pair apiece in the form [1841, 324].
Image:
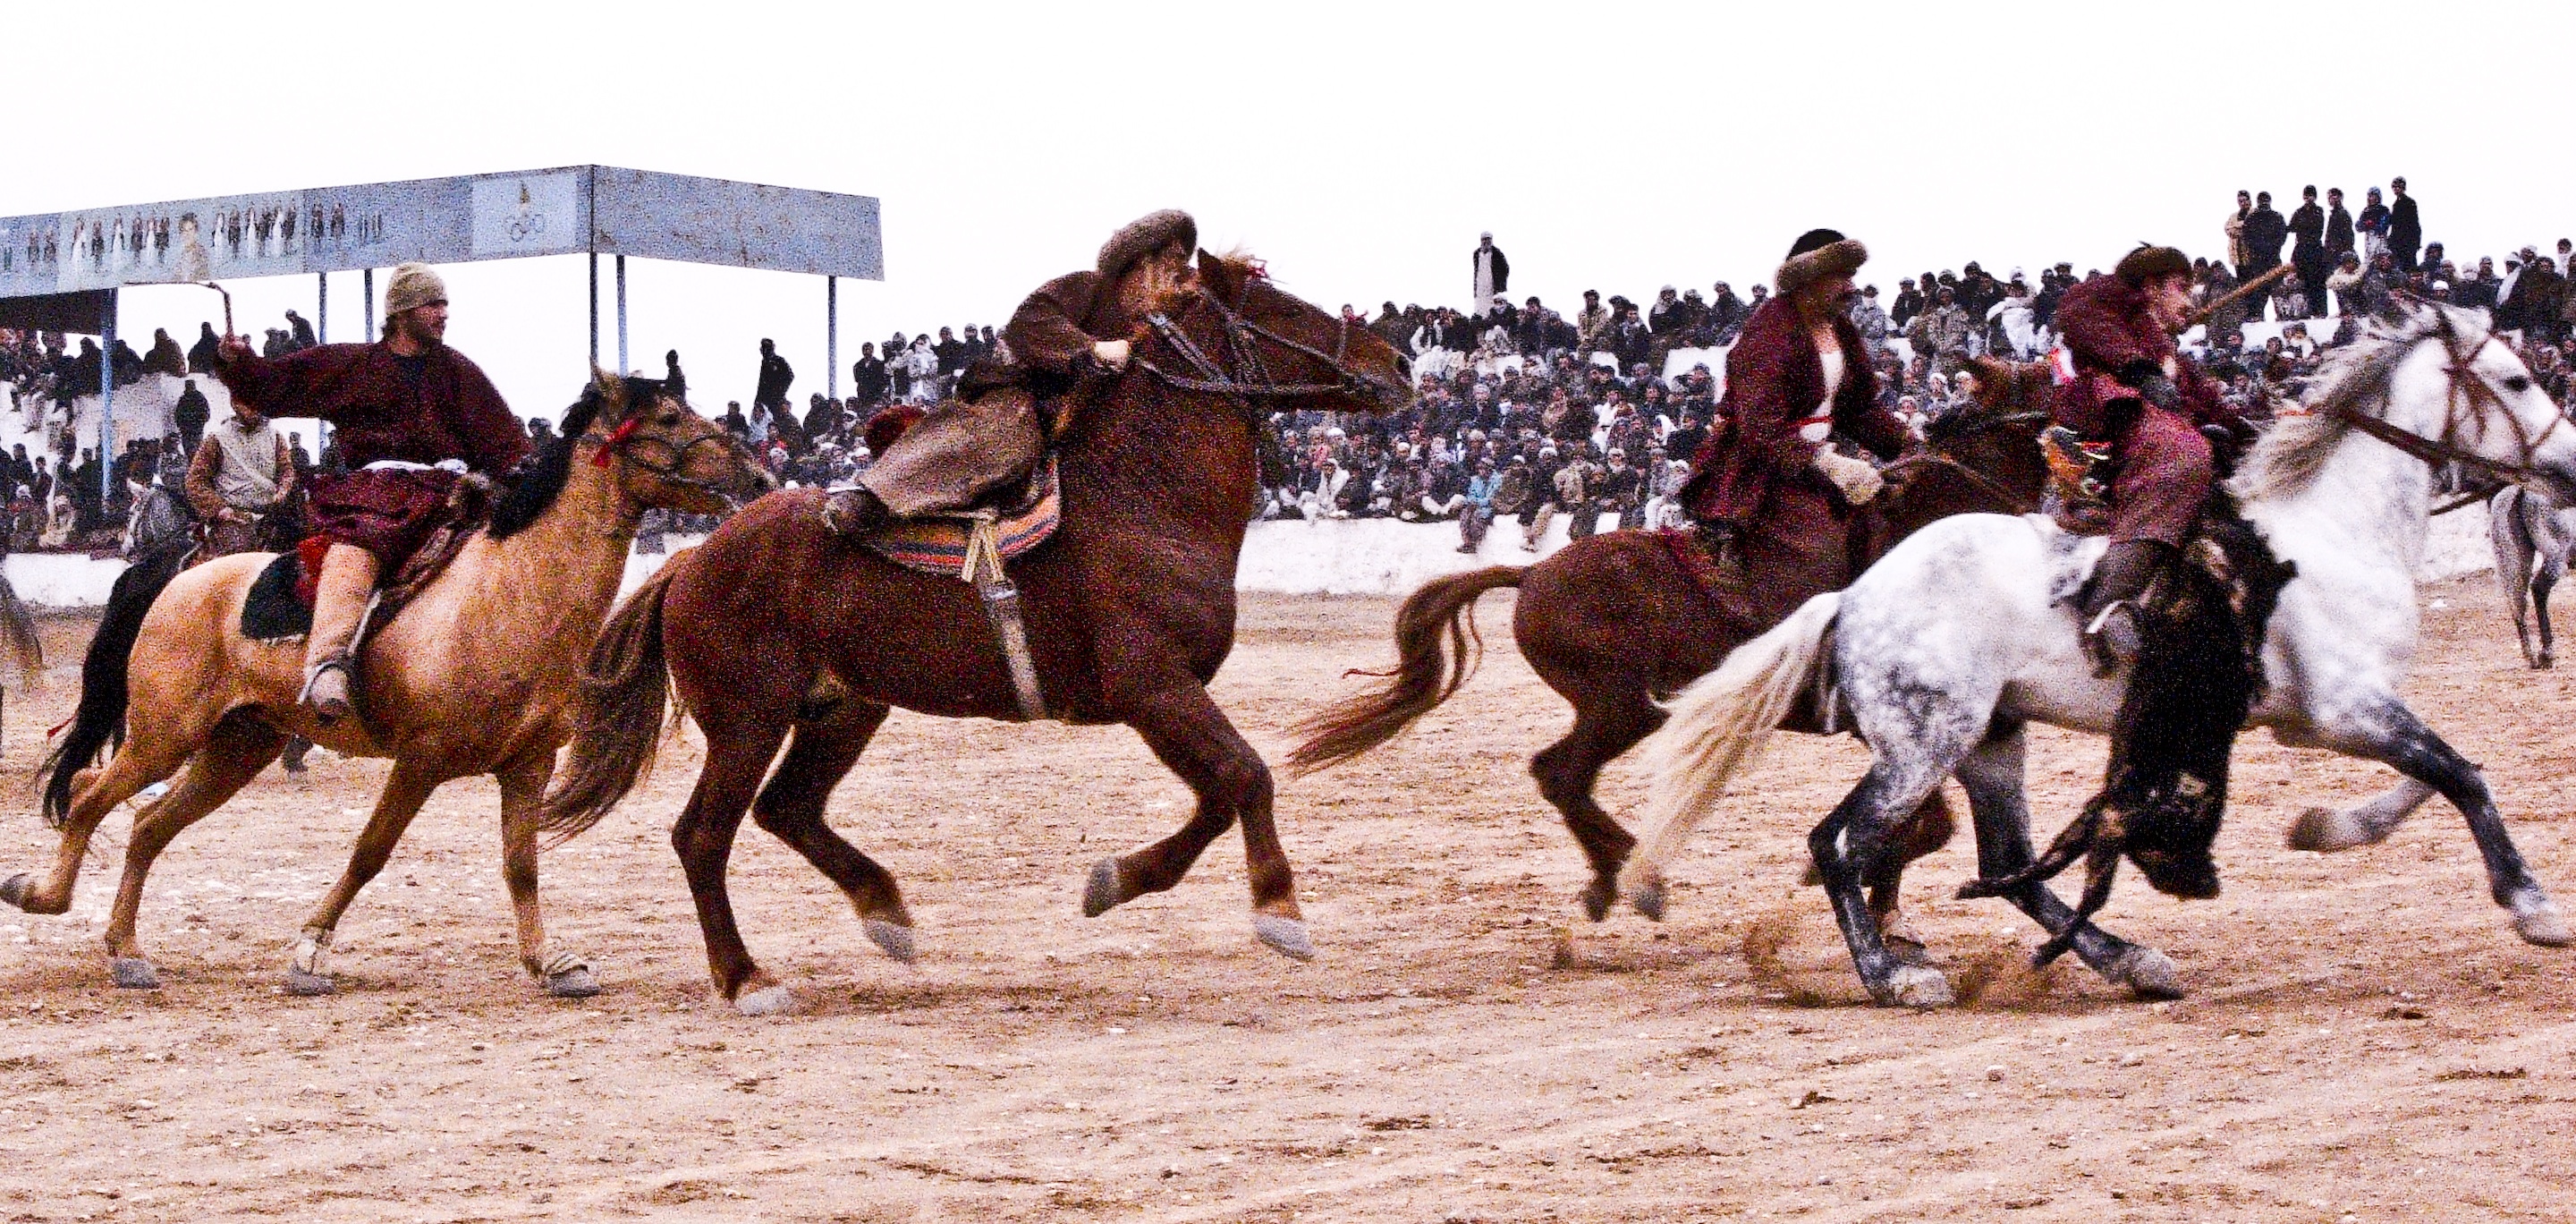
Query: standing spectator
[191, 414]
[770, 390]
[1493, 272]
[299, 332]
[2308, 250]
[921, 372]
[2235, 229]
[952, 360]
[868, 377]
[2339, 238]
[1909, 303]
[2405, 227]
[1872, 321]
[2265, 231]
[1591, 325]
[201, 355]
[165, 357]
[1941, 333]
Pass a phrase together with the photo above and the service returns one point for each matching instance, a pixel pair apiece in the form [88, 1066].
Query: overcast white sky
[1359, 147]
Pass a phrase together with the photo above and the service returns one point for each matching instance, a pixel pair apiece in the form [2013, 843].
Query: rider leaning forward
[2135, 391]
[1066, 341]
[411, 414]
[1769, 486]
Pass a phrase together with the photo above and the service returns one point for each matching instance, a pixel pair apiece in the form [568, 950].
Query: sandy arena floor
[2365, 1037]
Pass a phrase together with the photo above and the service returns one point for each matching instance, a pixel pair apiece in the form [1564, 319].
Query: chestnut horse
[777, 631]
[473, 677]
[1615, 622]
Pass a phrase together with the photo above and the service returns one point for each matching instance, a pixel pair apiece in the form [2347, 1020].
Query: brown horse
[474, 676]
[776, 631]
[1615, 623]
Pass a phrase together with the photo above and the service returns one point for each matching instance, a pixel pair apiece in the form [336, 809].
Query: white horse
[1965, 632]
[2532, 536]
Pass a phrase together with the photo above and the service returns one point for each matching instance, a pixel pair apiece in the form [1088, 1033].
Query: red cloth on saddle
[388, 512]
[2163, 464]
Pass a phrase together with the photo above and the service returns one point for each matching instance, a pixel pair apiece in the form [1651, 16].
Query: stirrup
[345, 702]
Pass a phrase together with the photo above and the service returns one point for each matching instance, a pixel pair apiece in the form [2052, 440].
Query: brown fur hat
[2149, 262]
[1817, 254]
[1144, 236]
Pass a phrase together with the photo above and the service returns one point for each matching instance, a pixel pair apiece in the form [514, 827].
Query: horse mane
[2295, 449]
[530, 488]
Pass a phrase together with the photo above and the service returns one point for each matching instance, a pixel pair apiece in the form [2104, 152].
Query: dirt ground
[2365, 1038]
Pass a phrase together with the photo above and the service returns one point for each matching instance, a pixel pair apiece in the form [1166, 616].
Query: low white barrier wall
[1326, 557]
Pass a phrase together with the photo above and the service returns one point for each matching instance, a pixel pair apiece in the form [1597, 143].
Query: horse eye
[2517, 384]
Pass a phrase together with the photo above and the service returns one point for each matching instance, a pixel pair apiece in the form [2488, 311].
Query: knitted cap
[413, 285]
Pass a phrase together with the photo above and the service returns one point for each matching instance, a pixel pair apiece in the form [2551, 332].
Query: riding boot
[2108, 605]
[339, 603]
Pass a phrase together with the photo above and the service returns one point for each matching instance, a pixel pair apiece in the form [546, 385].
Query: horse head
[666, 455]
[1274, 349]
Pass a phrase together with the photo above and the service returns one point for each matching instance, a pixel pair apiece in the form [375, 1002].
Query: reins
[1238, 372]
[2468, 393]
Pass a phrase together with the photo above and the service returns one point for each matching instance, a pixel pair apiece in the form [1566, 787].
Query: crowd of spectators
[1525, 412]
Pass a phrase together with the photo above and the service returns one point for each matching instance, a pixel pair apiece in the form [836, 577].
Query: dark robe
[2163, 464]
[442, 408]
[1046, 347]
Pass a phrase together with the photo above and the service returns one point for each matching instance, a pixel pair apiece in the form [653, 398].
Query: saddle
[279, 604]
[940, 543]
[2199, 671]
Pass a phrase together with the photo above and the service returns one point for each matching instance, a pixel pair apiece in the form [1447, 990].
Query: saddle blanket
[937, 544]
[279, 604]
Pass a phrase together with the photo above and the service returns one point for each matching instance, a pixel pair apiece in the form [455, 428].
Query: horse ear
[1220, 276]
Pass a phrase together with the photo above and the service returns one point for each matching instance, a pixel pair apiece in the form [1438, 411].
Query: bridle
[2469, 395]
[622, 440]
[1236, 370]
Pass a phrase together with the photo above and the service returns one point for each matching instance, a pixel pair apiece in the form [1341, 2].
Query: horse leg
[148, 758]
[1992, 776]
[1848, 848]
[791, 808]
[1929, 828]
[564, 973]
[309, 973]
[2551, 569]
[2403, 742]
[239, 748]
[2367, 824]
[2513, 557]
[1567, 771]
[739, 750]
[1191, 736]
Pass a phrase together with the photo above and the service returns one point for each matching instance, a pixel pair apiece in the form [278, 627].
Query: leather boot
[856, 513]
[2108, 606]
[339, 602]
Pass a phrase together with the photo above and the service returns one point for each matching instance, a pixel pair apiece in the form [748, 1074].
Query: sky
[1358, 148]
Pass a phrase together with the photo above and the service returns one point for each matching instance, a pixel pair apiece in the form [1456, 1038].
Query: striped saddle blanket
[938, 544]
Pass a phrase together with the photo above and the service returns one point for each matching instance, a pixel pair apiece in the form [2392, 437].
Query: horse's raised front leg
[1191, 736]
[564, 973]
[2402, 741]
[310, 972]
[2000, 807]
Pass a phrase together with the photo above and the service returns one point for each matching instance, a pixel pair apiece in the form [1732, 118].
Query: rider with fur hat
[2139, 394]
[404, 406]
[1767, 484]
[1069, 338]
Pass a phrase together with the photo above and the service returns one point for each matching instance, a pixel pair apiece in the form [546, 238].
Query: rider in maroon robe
[1768, 485]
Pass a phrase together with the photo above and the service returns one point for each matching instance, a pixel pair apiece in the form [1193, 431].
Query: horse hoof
[1100, 892]
[573, 983]
[1906, 948]
[1597, 899]
[766, 1001]
[2544, 926]
[1650, 901]
[14, 890]
[133, 973]
[1286, 936]
[304, 985]
[2324, 831]
[2148, 973]
[890, 938]
[1915, 986]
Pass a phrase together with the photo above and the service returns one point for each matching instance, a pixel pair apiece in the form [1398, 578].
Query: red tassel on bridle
[599, 458]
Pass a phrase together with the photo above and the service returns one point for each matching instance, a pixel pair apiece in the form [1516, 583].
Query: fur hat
[2149, 262]
[1817, 254]
[413, 285]
[1144, 236]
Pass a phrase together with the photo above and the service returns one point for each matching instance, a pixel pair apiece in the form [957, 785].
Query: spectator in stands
[190, 414]
[2308, 248]
[1493, 272]
[1942, 332]
[2237, 251]
[2372, 227]
[299, 333]
[201, 355]
[241, 483]
[868, 377]
[2405, 227]
[2264, 232]
[1591, 324]
[165, 357]
[769, 390]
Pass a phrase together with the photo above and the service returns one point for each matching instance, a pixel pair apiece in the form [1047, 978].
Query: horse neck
[1150, 445]
[2376, 494]
[566, 566]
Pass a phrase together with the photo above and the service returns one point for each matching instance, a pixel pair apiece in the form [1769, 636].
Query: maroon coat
[1793, 527]
[1046, 347]
[2163, 468]
[435, 407]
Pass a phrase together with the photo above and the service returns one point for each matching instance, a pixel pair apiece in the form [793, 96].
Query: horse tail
[1719, 725]
[100, 718]
[22, 653]
[617, 717]
[1444, 608]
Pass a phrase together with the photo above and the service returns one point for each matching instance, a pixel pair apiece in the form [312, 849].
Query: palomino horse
[1615, 622]
[1130, 611]
[1963, 634]
[473, 677]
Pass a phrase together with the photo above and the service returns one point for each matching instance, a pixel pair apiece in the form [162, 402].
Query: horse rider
[1067, 340]
[240, 476]
[1768, 488]
[2136, 392]
[413, 415]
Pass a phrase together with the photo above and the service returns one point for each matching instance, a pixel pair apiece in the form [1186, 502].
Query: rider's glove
[1112, 353]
